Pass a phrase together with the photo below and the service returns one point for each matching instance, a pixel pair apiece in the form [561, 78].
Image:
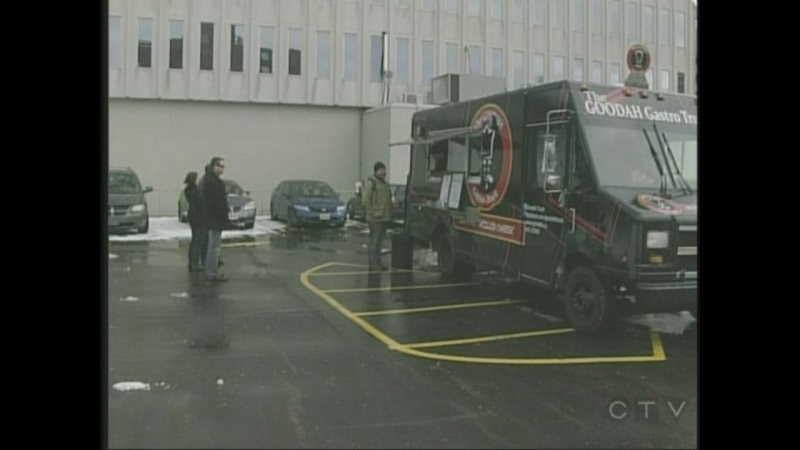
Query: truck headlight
[340, 208]
[137, 208]
[250, 205]
[300, 207]
[657, 239]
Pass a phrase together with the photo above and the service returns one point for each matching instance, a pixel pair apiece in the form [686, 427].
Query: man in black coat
[215, 215]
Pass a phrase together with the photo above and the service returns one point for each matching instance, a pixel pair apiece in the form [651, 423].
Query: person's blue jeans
[212, 254]
[376, 232]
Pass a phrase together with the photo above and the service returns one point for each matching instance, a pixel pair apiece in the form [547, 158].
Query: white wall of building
[263, 144]
[526, 31]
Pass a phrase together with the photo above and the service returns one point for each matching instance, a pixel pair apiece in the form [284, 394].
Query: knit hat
[378, 165]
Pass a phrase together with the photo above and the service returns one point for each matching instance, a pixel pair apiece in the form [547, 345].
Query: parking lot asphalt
[304, 348]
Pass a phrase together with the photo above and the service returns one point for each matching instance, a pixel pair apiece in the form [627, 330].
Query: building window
[519, 11]
[633, 21]
[681, 83]
[497, 63]
[538, 12]
[295, 51]
[403, 3]
[538, 68]
[615, 73]
[475, 60]
[680, 29]
[577, 69]
[649, 26]
[614, 18]
[452, 58]
[377, 59]
[427, 62]
[145, 43]
[323, 55]
[176, 44]
[237, 48]
[206, 46]
[580, 9]
[519, 69]
[114, 49]
[663, 27]
[558, 68]
[475, 8]
[452, 6]
[597, 17]
[350, 56]
[402, 60]
[597, 72]
[265, 65]
[663, 78]
[558, 14]
[427, 4]
[497, 9]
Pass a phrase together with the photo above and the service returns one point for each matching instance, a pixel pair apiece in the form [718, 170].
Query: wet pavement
[304, 348]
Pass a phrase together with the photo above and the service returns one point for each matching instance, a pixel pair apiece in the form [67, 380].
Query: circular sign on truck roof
[638, 59]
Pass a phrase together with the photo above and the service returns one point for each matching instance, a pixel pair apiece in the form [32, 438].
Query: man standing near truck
[377, 202]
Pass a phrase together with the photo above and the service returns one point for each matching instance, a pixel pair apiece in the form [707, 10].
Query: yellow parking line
[489, 338]
[436, 308]
[369, 272]
[398, 288]
[658, 351]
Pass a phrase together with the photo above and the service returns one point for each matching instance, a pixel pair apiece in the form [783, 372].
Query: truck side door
[545, 174]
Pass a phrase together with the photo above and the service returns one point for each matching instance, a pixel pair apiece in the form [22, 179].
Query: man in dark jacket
[215, 215]
[199, 243]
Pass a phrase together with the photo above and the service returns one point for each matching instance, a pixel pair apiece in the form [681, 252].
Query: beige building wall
[263, 144]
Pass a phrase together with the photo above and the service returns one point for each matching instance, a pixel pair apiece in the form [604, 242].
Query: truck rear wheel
[449, 265]
[588, 300]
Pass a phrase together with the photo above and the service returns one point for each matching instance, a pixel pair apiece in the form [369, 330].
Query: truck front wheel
[588, 300]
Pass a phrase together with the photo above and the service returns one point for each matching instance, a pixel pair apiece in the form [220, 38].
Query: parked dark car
[355, 210]
[301, 202]
[242, 208]
[127, 205]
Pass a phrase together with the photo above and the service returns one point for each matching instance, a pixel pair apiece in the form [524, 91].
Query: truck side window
[581, 175]
[551, 152]
[437, 159]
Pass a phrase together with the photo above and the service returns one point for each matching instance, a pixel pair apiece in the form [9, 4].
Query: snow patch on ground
[180, 294]
[112, 256]
[664, 323]
[131, 386]
[129, 299]
[169, 228]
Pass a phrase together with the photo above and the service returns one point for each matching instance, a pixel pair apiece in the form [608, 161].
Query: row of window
[559, 20]
[472, 63]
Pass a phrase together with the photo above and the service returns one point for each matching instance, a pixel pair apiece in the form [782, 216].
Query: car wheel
[146, 226]
[588, 300]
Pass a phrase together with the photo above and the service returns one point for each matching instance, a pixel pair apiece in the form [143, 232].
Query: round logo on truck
[487, 190]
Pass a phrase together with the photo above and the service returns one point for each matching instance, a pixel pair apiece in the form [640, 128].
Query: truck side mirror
[147, 190]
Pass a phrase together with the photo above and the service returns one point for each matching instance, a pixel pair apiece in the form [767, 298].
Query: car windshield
[233, 188]
[313, 189]
[122, 182]
[623, 157]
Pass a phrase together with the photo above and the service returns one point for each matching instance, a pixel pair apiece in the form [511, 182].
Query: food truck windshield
[623, 156]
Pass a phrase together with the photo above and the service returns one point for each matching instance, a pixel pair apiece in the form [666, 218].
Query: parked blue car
[306, 202]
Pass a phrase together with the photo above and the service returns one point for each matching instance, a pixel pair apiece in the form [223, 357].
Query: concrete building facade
[280, 87]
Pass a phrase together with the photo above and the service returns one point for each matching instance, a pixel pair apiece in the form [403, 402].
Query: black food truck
[589, 190]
